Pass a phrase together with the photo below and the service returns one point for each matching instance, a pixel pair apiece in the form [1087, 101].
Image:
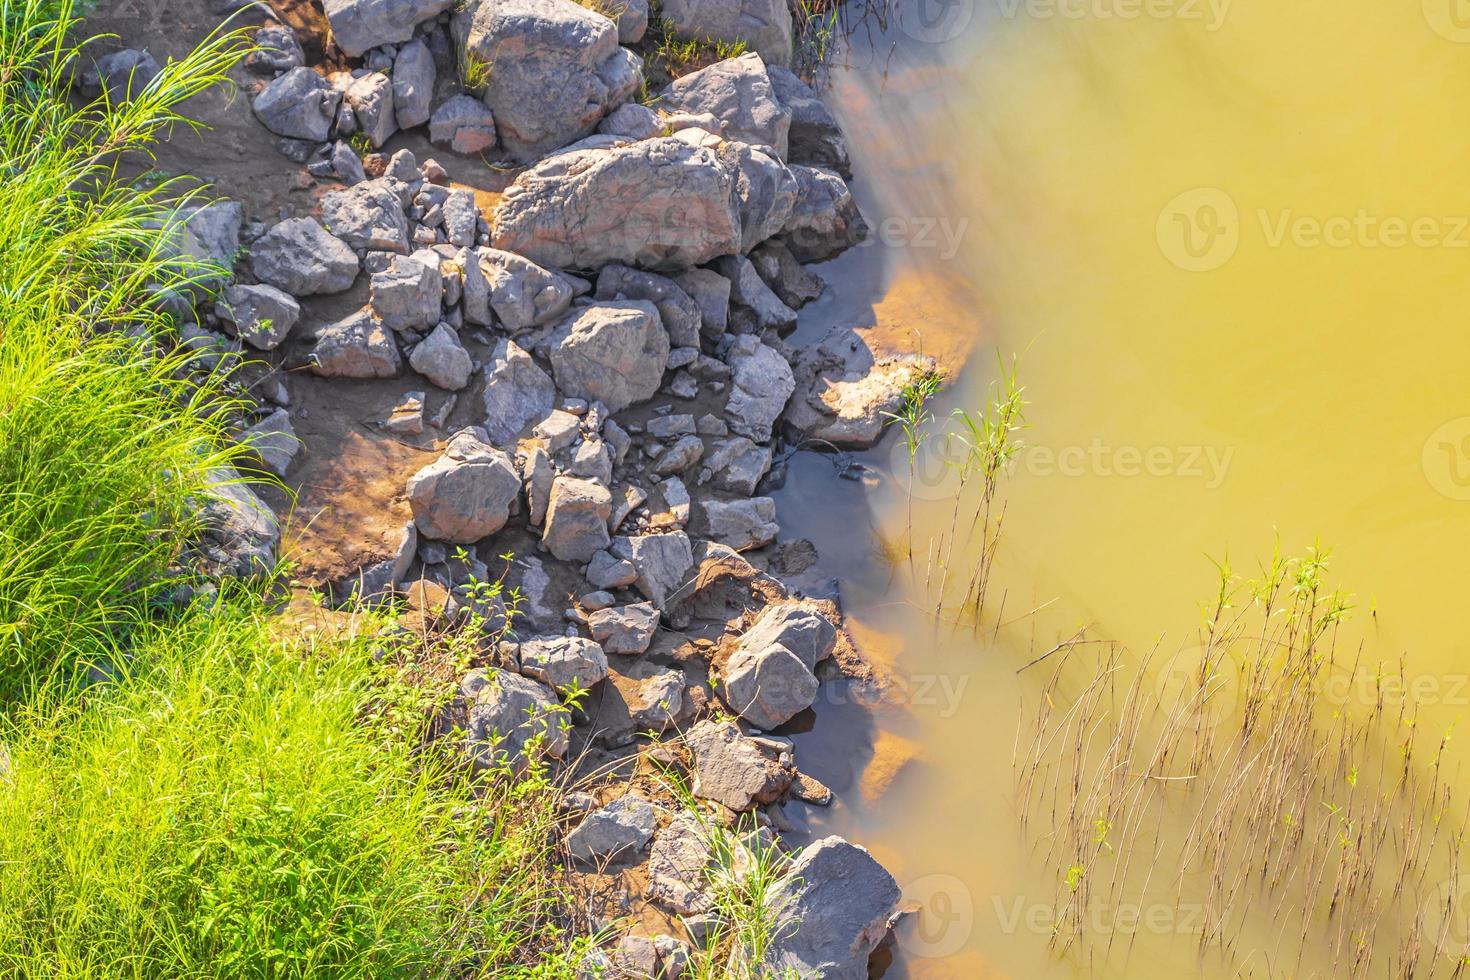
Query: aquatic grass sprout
[1243, 791]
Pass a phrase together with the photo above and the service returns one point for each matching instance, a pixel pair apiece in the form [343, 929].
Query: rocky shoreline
[600, 367]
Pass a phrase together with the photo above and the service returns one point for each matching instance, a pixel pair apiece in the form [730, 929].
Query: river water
[1227, 246]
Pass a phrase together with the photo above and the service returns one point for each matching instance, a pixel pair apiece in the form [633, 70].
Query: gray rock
[276, 50]
[674, 956]
[712, 292]
[562, 662]
[678, 867]
[413, 84]
[740, 524]
[367, 216]
[670, 426]
[636, 956]
[591, 460]
[519, 292]
[463, 125]
[537, 473]
[825, 221]
[662, 204]
[677, 310]
[815, 138]
[652, 696]
[770, 677]
[301, 257]
[550, 69]
[466, 494]
[831, 908]
[360, 346]
[844, 394]
[617, 831]
[461, 217]
[626, 630]
[122, 74]
[732, 769]
[371, 100]
[764, 24]
[358, 25]
[442, 359]
[756, 307]
[407, 417]
[739, 93]
[407, 294]
[612, 352]
[263, 315]
[765, 192]
[274, 440]
[607, 572]
[509, 713]
[240, 533]
[558, 430]
[632, 20]
[805, 631]
[633, 121]
[762, 381]
[208, 236]
[576, 519]
[517, 392]
[299, 105]
[736, 464]
[664, 563]
[788, 278]
[679, 457]
[346, 164]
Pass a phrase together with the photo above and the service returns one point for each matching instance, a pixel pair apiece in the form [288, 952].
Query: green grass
[231, 801]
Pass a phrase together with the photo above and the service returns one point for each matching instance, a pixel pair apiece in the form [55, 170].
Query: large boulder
[550, 69]
[263, 315]
[367, 216]
[359, 346]
[517, 392]
[619, 830]
[763, 24]
[662, 204]
[762, 381]
[511, 288]
[407, 294]
[845, 392]
[508, 714]
[755, 306]
[677, 309]
[678, 867]
[738, 92]
[625, 630]
[302, 258]
[576, 519]
[770, 678]
[442, 359]
[413, 84]
[563, 661]
[463, 125]
[466, 494]
[831, 909]
[208, 234]
[240, 533]
[734, 770]
[815, 138]
[825, 221]
[273, 440]
[371, 100]
[358, 25]
[299, 105]
[741, 524]
[664, 563]
[612, 352]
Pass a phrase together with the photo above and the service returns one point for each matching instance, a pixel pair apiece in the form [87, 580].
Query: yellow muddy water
[1229, 247]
